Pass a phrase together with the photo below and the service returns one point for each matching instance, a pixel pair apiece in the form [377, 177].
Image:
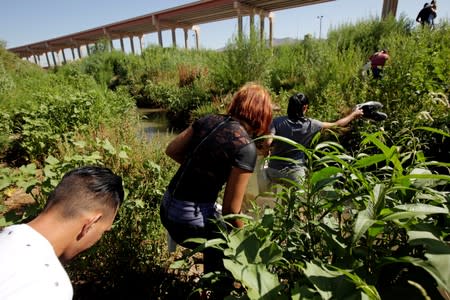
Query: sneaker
[370, 110]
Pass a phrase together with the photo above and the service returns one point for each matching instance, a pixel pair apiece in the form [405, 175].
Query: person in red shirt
[377, 61]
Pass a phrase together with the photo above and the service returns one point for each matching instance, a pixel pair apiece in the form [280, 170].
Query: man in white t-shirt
[80, 209]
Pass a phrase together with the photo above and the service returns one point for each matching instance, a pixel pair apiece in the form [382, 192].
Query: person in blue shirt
[300, 129]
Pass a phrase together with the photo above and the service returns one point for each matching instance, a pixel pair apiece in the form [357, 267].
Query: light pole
[320, 26]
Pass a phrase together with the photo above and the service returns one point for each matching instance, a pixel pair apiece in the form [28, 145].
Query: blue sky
[27, 21]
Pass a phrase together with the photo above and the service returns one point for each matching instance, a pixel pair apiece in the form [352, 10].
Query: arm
[263, 147]
[234, 193]
[268, 141]
[344, 121]
[419, 17]
[178, 146]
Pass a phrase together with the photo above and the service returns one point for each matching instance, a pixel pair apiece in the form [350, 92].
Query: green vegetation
[372, 214]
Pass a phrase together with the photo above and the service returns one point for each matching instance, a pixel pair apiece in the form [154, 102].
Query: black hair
[87, 188]
[296, 105]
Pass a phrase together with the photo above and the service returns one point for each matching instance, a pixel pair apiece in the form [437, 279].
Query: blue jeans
[377, 73]
[181, 230]
[296, 174]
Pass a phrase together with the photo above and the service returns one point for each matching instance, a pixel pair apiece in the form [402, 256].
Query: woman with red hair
[214, 151]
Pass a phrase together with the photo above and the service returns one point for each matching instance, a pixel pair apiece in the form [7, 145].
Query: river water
[153, 121]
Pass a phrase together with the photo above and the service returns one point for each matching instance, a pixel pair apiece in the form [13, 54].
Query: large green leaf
[331, 284]
[377, 202]
[435, 130]
[422, 182]
[415, 210]
[235, 238]
[369, 160]
[260, 283]
[5, 181]
[363, 222]
[369, 290]
[425, 176]
[437, 254]
[290, 142]
[303, 292]
[323, 177]
[247, 250]
[270, 254]
[333, 240]
[390, 153]
[109, 147]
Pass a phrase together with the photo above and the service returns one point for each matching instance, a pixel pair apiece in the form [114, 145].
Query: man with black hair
[300, 129]
[79, 210]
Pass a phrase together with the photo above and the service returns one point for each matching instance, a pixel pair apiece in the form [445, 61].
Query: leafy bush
[348, 230]
[369, 35]
[229, 72]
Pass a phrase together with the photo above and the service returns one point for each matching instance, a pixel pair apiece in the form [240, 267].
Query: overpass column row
[50, 50]
[242, 9]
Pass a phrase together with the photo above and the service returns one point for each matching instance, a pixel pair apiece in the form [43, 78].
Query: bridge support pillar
[185, 30]
[131, 43]
[54, 58]
[63, 56]
[252, 26]
[261, 27]
[174, 38]
[121, 44]
[389, 8]
[240, 26]
[48, 60]
[141, 42]
[271, 17]
[196, 30]
[160, 40]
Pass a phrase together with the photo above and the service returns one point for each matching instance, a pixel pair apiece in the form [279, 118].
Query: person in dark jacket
[427, 14]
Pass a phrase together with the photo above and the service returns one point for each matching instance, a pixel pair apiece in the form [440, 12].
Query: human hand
[357, 113]
[263, 147]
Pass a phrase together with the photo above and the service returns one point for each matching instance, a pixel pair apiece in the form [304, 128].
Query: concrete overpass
[186, 17]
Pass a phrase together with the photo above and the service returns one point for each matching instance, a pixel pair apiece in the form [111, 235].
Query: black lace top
[203, 174]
